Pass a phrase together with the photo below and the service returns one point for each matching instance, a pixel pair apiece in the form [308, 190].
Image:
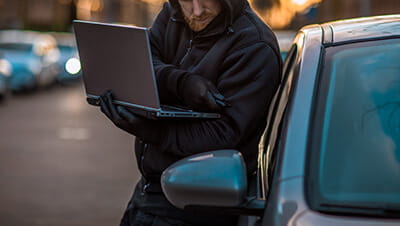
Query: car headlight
[73, 66]
[5, 67]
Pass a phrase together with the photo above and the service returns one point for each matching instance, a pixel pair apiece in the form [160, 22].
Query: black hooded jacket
[240, 55]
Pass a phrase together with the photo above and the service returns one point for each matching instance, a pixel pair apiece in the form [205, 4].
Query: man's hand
[200, 94]
[127, 121]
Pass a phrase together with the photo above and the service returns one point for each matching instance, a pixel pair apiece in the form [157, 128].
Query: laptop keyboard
[173, 108]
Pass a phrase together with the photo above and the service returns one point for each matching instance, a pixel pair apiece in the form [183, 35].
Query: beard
[195, 25]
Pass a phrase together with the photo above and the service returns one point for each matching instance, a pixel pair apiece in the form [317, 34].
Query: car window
[16, 46]
[355, 147]
[272, 133]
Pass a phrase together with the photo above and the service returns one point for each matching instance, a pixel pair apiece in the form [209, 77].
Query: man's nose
[198, 8]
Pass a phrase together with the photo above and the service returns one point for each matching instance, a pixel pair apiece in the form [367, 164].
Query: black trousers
[136, 217]
[149, 207]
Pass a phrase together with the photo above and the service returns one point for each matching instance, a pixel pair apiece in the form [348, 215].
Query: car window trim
[360, 40]
[292, 57]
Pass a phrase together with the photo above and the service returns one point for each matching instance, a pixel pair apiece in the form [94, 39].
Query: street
[62, 162]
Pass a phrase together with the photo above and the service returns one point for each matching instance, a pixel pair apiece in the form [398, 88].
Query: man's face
[199, 13]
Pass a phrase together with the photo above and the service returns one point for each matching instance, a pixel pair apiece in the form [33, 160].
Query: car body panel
[285, 203]
[287, 207]
[314, 218]
[298, 116]
[24, 67]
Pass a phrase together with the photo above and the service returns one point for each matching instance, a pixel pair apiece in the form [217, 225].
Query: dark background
[56, 15]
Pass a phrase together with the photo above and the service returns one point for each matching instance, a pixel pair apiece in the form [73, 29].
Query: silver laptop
[118, 58]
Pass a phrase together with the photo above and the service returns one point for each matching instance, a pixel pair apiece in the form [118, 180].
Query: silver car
[330, 154]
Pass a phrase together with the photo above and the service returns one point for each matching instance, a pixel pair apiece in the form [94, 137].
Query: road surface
[62, 162]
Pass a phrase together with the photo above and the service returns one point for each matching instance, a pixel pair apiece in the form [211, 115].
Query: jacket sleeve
[249, 80]
[167, 75]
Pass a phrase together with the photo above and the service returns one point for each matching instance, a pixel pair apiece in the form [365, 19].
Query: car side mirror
[213, 180]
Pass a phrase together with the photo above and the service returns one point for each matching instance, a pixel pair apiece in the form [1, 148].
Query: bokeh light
[73, 66]
[282, 14]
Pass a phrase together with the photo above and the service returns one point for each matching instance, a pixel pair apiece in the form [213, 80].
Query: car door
[270, 140]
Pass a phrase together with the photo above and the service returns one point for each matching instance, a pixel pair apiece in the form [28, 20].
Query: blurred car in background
[5, 73]
[33, 57]
[285, 40]
[69, 64]
[330, 154]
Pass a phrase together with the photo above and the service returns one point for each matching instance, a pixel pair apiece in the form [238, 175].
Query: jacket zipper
[188, 49]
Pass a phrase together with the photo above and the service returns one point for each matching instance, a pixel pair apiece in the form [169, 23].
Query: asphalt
[62, 162]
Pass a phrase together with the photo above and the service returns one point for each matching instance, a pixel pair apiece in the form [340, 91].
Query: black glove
[200, 94]
[136, 125]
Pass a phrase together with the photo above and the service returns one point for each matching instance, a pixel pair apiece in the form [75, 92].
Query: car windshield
[356, 135]
[16, 46]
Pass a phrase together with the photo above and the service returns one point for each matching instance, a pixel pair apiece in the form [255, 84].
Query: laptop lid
[115, 57]
[118, 57]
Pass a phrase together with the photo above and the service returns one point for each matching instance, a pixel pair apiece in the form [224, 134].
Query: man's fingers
[104, 107]
[220, 100]
[111, 106]
[125, 114]
[211, 102]
[218, 97]
[211, 87]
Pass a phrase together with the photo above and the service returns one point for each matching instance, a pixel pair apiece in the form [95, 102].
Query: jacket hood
[230, 8]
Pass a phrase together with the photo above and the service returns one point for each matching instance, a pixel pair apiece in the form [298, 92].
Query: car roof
[355, 29]
[361, 28]
[25, 37]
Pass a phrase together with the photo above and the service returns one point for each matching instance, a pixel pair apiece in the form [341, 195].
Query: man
[210, 55]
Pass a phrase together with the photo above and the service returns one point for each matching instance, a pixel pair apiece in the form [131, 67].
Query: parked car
[330, 154]
[33, 57]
